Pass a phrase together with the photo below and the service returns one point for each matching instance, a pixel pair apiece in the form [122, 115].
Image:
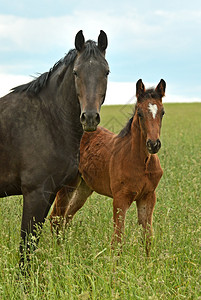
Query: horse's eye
[74, 73]
[163, 112]
[108, 72]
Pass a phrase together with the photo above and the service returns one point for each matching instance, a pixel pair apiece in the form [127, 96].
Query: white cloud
[35, 34]
[134, 29]
[124, 93]
[9, 81]
[137, 38]
[120, 93]
[117, 92]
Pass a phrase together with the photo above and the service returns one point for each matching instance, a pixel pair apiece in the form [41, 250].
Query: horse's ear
[140, 88]
[102, 41]
[79, 41]
[160, 89]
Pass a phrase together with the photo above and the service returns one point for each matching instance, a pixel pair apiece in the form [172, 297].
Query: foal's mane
[127, 128]
[38, 83]
[148, 94]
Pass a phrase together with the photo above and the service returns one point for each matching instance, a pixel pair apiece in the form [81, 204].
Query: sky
[146, 39]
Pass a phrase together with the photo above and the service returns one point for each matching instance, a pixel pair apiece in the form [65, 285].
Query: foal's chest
[134, 179]
[146, 179]
[152, 179]
[151, 176]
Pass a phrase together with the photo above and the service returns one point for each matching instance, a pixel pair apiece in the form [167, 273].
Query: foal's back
[96, 150]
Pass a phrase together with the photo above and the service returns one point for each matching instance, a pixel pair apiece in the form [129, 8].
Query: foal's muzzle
[90, 120]
[153, 146]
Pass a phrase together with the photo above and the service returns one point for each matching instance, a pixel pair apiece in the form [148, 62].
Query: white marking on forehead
[153, 109]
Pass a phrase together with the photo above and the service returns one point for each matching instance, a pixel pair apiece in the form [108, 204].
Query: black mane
[38, 83]
[148, 94]
[127, 128]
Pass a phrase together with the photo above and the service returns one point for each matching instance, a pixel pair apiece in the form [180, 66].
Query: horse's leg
[120, 206]
[145, 208]
[35, 210]
[61, 203]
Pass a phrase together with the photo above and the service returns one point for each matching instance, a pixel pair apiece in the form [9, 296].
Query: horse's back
[31, 149]
[9, 147]
[95, 154]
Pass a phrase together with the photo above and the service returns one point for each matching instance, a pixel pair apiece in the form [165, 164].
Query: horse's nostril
[90, 118]
[83, 118]
[97, 118]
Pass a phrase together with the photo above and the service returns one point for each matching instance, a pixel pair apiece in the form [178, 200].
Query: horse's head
[91, 71]
[150, 111]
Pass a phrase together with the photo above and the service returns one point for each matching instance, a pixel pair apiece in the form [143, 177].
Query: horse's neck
[138, 144]
[62, 105]
[62, 93]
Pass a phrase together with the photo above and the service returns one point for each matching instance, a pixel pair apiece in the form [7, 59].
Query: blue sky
[147, 39]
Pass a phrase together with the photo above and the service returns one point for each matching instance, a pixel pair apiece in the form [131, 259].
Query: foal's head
[90, 70]
[150, 111]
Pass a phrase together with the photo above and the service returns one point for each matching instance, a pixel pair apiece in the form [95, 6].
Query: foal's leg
[77, 200]
[67, 203]
[145, 208]
[61, 203]
[121, 204]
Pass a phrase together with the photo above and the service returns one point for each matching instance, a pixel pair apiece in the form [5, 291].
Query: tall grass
[83, 266]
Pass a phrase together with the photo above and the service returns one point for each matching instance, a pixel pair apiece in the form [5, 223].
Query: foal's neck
[139, 148]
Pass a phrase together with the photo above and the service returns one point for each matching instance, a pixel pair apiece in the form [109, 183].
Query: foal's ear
[140, 88]
[79, 41]
[102, 41]
[160, 89]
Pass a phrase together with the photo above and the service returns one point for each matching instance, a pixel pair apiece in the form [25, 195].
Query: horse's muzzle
[153, 146]
[90, 120]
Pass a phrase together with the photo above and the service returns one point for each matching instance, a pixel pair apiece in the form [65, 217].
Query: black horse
[41, 124]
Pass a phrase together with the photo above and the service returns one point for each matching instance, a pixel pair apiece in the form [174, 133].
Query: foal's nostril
[158, 144]
[149, 143]
[153, 146]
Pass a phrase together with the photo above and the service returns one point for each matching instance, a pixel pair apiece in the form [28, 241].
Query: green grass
[83, 267]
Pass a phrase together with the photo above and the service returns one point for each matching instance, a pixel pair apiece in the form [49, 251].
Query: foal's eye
[108, 72]
[74, 73]
[139, 113]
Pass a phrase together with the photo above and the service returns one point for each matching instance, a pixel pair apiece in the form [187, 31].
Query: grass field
[83, 267]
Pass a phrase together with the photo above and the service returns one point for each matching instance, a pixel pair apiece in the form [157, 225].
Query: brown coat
[124, 166]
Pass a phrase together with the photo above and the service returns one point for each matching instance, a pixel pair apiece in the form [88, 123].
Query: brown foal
[124, 167]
